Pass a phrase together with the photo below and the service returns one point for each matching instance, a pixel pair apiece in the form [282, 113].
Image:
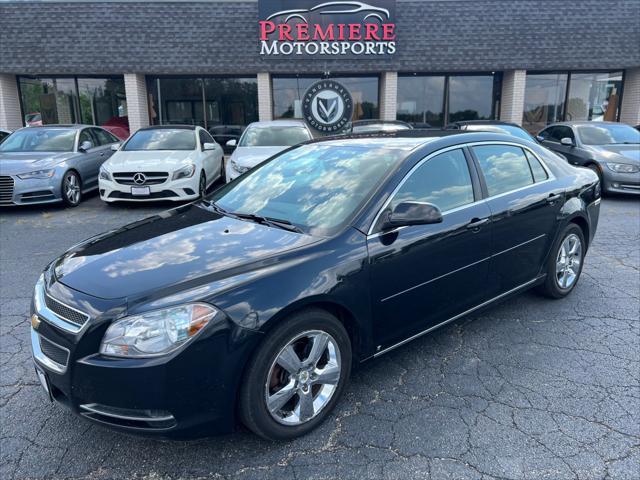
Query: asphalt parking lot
[531, 388]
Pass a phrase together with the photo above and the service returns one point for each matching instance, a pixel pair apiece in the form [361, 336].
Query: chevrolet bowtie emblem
[35, 321]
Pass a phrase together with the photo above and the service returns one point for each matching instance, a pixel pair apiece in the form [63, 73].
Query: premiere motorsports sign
[314, 28]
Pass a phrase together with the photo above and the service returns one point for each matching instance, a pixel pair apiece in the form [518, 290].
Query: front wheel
[564, 265]
[202, 186]
[296, 376]
[71, 189]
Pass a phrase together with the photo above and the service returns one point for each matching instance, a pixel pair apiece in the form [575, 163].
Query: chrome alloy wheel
[568, 261]
[72, 187]
[303, 378]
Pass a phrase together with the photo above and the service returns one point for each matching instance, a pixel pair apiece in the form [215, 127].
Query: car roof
[76, 126]
[170, 127]
[280, 123]
[582, 122]
[409, 140]
[484, 122]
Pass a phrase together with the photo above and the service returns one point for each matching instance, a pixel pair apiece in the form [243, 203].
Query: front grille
[6, 190]
[54, 351]
[66, 313]
[151, 178]
[152, 195]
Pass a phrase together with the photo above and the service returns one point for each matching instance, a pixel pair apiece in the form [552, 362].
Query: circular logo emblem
[327, 106]
[139, 178]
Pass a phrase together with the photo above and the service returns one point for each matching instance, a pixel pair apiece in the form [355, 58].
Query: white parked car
[162, 163]
[262, 140]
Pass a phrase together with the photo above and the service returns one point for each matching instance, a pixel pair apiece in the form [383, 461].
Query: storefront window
[436, 100]
[421, 100]
[594, 96]
[48, 100]
[544, 99]
[94, 101]
[222, 105]
[471, 97]
[288, 92]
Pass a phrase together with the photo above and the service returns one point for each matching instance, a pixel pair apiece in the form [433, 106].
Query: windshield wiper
[275, 222]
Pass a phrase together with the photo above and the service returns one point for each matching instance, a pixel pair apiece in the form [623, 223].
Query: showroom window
[570, 96]
[219, 104]
[94, 101]
[436, 100]
[288, 92]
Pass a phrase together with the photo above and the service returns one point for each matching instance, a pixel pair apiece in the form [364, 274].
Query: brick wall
[630, 111]
[10, 116]
[137, 101]
[512, 98]
[388, 95]
[265, 98]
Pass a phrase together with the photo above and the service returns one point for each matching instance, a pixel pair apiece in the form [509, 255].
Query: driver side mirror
[208, 146]
[232, 143]
[566, 141]
[540, 138]
[84, 146]
[413, 213]
[115, 147]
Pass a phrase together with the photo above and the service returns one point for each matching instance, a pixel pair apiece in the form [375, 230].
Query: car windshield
[35, 139]
[162, 139]
[506, 129]
[274, 136]
[608, 134]
[317, 187]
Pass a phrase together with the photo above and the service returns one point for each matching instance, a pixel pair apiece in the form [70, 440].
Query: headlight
[104, 174]
[37, 174]
[185, 172]
[623, 167]
[238, 168]
[156, 333]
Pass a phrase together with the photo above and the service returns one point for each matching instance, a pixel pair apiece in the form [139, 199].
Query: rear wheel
[296, 376]
[71, 189]
[564, 265]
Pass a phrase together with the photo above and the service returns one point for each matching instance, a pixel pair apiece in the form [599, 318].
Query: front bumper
[15, 191]
[621, 182]
[187, 394]
[184, 189]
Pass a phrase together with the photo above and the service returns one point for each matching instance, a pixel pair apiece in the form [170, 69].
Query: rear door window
[505, 167]
[539, 173]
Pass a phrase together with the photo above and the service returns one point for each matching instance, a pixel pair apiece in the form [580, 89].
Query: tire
[264, 376]
[202, 185]
[71, 189]
[559, 284]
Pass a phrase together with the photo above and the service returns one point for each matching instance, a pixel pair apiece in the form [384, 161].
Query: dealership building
[222, 64]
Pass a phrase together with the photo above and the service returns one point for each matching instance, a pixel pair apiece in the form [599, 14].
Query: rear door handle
[476, 223]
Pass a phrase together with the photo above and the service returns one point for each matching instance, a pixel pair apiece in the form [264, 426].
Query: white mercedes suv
[171, 162]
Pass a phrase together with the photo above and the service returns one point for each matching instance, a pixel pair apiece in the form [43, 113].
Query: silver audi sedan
[52, 163]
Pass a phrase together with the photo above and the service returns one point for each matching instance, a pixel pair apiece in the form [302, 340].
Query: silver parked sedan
[52, 163]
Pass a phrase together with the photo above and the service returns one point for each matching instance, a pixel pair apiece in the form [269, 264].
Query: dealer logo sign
[327, 106]
[312, 28]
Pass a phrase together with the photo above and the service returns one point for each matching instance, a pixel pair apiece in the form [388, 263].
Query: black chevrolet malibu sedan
[254, 303]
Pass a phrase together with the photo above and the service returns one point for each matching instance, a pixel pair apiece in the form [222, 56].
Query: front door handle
[553, 198]
[102, 154]
[475, 224]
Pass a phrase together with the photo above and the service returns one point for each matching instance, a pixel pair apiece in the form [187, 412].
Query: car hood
[12, 163]
[622, 153]
[251, 156]
[149, 160]
[182, 248]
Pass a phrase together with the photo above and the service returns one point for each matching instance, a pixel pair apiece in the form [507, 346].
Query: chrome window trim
[455, 317]
[42, 359]
[51, 317]
[371, 234]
